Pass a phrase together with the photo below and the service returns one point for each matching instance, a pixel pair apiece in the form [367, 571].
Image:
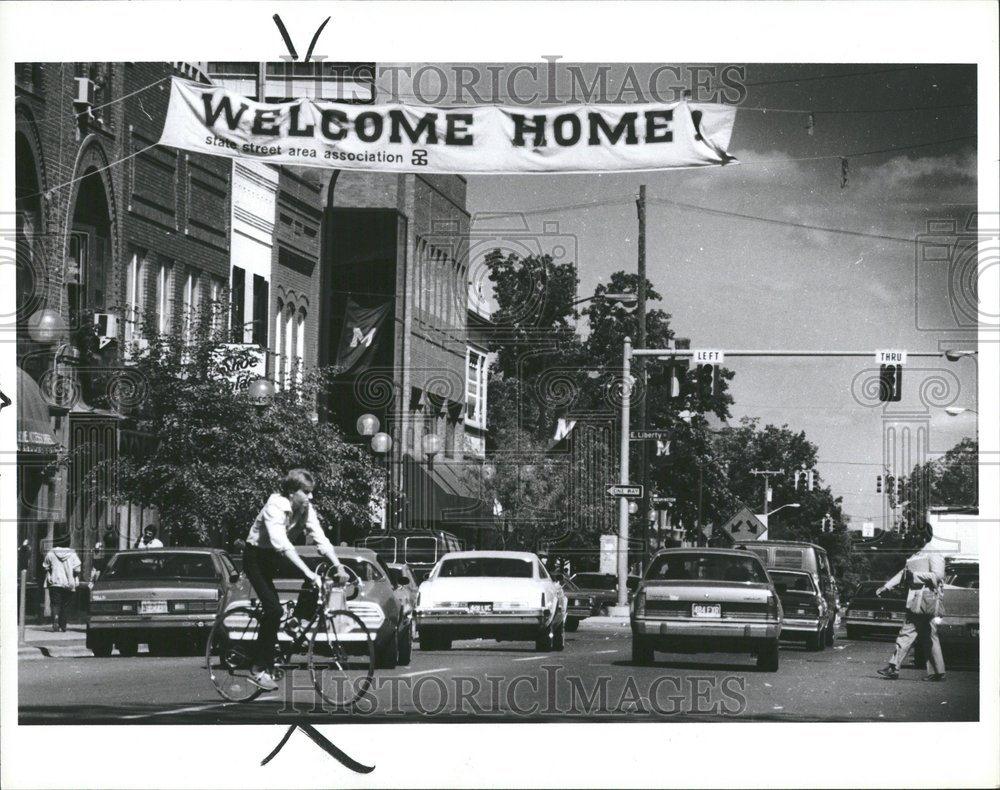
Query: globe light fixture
[381, 443]
[633, 508]
[46, 326]
[261, 391]
[431, 444]
[367, 425]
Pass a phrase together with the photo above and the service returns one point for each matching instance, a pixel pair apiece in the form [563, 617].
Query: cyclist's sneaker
[263, 680]
[295, 628]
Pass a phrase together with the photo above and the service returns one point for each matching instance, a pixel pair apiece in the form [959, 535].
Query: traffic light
[808, 478]
[677, 369]
[708, 380]
[878, 484]
[890, 488]
[890, 383]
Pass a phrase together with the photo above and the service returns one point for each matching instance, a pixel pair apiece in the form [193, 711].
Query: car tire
[388, 656]
[544, 641]
[405, 648]
[815, 642]
[101, 645]
[127, 647]
[558, 639]
[642, 651]
[572, 623]
[767, 657]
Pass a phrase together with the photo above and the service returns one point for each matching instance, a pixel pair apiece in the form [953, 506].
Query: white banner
[484, 139]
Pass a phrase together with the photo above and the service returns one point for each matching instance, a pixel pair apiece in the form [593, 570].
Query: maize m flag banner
[361, 336]
[482, 139]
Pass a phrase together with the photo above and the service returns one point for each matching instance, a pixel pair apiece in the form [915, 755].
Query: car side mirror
[234, 577]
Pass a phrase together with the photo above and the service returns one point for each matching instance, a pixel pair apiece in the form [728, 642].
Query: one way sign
[629, 492]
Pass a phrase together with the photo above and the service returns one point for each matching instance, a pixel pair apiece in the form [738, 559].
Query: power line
[816, 77]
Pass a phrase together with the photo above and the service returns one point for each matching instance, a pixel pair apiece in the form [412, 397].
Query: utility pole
[766, 474]
[640, 313]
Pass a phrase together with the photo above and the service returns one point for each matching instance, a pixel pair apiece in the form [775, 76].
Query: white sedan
[503, 595]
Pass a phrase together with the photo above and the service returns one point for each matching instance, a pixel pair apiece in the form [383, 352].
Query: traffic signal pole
[629, 353]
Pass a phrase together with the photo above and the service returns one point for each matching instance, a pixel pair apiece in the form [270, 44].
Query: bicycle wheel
[229, 652]
[341, 658]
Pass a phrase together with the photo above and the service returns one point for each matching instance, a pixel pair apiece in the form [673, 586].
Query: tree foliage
[213, 455]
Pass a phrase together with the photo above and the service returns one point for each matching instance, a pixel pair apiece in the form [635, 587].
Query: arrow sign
[641, 436]
[629, 492]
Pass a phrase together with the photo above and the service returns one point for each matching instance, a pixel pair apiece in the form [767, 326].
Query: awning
[34, 427]
[443, 494]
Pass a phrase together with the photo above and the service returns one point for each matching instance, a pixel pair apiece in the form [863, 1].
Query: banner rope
[123, 98]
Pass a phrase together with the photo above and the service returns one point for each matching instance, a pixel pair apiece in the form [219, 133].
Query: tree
[214, 455]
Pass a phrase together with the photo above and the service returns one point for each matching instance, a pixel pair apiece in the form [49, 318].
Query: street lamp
[261, 391]
[953, 355]
[623, 298]
[777, 509]
[46, 326]
[431, 445]
[954, 411]
[367, 425]
[381, 443]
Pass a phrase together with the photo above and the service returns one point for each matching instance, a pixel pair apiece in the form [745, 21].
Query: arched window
[289, 338]
[279, 324]
[300, 344]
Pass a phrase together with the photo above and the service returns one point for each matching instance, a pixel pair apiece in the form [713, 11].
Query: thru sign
[891, 357]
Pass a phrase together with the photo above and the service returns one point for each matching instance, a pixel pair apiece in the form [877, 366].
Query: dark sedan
[166, 598]
[591, 594]
[869, 615]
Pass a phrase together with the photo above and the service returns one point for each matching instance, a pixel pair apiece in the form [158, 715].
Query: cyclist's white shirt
[270, 528]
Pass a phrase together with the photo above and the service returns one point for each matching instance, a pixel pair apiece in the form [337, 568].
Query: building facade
[110, 227]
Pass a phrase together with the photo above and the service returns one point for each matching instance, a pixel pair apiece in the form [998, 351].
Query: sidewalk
[604, 622]
[40, 641]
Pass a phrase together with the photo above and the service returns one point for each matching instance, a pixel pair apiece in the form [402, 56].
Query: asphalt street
[592, 679]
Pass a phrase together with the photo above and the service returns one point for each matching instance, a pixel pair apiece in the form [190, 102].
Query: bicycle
[340, 649]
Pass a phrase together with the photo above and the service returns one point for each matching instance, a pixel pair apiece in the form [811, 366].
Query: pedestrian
[149, 539]
[62, 575]
[923, 577]
[265, 545]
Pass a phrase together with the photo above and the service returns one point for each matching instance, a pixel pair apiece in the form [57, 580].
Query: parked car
[165, 598]
[799, 556]
[503, 595]
[593, 593]
[959, 626]
[406, 587]
[806, 614]
[376, 604]
[706, 600]
[869, 615]
[418, 548]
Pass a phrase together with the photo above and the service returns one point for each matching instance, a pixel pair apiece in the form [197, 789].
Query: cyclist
[267, 541]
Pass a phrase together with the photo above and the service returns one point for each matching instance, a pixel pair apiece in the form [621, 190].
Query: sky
[739, 283]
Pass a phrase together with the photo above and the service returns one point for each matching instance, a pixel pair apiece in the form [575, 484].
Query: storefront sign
[240, 363]
[482, 139]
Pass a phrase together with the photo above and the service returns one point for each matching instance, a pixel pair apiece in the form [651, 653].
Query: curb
[604, 622]
[29, 652]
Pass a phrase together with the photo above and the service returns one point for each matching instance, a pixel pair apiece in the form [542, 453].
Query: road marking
[532, 658]
[602, 652]
[192, 709]
[421, 672]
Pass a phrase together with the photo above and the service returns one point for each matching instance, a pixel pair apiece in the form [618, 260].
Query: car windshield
[596, 581]
[964, 575]
[161, 565]
[384, 547]
[397, 576]
[707, 567]
[486, 566]
[867, 590]
[421, 550]
[792, 582]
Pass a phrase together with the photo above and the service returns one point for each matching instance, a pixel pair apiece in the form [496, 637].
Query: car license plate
[480, 607]
[153, 607]
[706, 610]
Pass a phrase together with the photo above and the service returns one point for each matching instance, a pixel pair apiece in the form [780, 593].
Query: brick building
[109, 226]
